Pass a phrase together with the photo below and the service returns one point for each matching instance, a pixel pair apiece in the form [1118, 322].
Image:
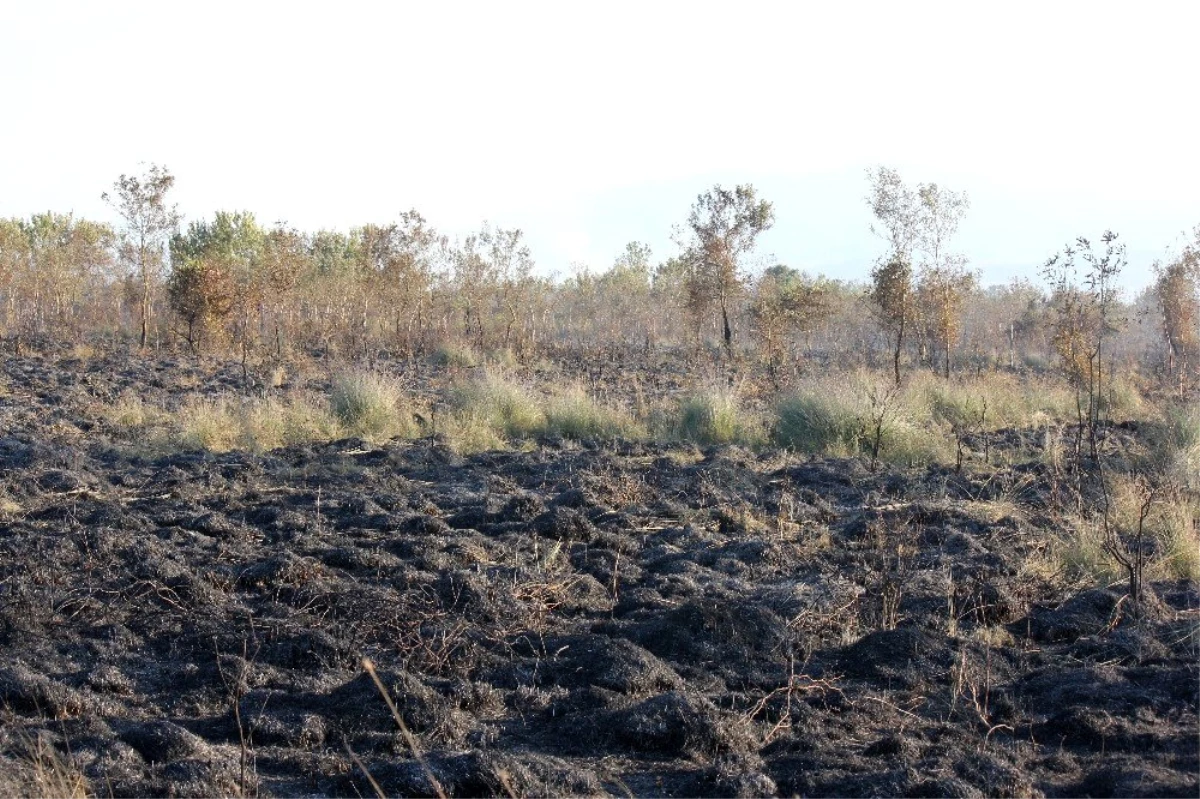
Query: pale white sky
[592, 125]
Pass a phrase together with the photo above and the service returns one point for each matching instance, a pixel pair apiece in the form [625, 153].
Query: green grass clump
[842, 418]
[574, 414]
[820, 423]
[716, 417]
[371, 406]
[493, 403]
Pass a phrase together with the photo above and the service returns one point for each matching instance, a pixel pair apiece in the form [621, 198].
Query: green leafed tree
[786, 302]
[219, 274]
[942, 292]
[1085, 300]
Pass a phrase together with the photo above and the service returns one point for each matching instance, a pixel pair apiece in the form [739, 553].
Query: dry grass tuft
[574, 414]
[717, 416]
[372, 406]
[41, 771]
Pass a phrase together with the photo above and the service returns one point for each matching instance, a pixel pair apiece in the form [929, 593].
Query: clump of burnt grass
[34, 768]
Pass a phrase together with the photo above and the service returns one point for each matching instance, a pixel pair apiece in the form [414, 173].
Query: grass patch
[574, 414]
[209, 424]
[371, 406]
[257, 425]
[460, 356]
[130, 414]
[991, 401]
[716, 417]
[505, 406]
[849, 417]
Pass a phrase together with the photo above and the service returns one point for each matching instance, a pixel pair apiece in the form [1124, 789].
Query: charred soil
[574, 618]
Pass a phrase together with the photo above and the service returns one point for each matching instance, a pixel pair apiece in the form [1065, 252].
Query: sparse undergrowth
[927, 420]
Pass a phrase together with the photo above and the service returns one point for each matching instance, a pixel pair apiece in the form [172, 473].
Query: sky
[589, 125]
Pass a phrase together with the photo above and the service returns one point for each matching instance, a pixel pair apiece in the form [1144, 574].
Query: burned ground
[572, 618]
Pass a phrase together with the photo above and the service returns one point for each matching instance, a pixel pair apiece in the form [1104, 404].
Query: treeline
[402, 289]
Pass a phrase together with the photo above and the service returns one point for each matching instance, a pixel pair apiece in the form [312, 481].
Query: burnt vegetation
[389, 513]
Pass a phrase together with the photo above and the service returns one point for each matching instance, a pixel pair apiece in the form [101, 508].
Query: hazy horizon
[588, 130]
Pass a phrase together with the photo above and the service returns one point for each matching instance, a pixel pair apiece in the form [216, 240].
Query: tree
[15, 258]
[895, 207]
[149, 220]
[625, 290]
[894, 300]
[1177, 290]
[785, 302]
[1084, 316]
[201, 294]
[941, 292]
[49, 265]
[398, 261]
[224, 257]
[917, 225]
[493, 277]
[725, 226]
[287, 259]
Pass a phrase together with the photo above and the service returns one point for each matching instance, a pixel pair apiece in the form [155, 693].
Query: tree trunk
[728, 331]
[896, 353]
